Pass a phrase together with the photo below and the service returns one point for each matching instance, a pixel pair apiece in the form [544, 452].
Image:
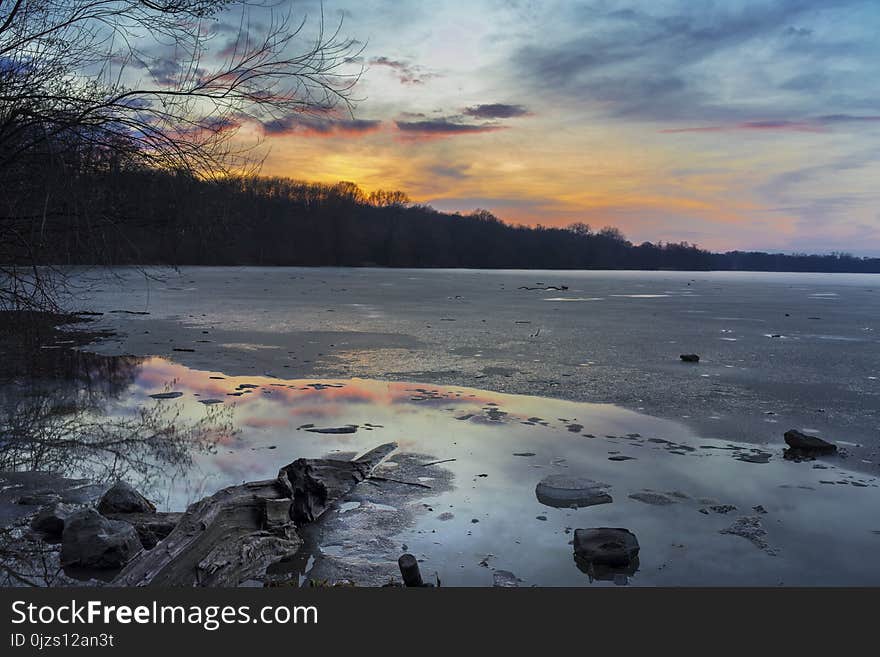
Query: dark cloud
[229, 27]
[651, 63]
[815, 124]
[165, 70]
[235, 47]
[496, 111]
[314, 126]
[455, 172]
[831, 119]
[798, 31]
[780, 186]
[443, 127]
[406, 72]
[757, 126]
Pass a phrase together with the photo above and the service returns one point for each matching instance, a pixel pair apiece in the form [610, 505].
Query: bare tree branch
[116, 84]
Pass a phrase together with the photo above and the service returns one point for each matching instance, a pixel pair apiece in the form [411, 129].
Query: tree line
[142, 215]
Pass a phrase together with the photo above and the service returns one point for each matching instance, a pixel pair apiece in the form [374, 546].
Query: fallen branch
[398, 481]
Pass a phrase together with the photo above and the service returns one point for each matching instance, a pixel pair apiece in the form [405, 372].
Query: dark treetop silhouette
[154, 217]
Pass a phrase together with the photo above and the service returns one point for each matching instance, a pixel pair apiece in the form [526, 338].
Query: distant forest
[113, 215]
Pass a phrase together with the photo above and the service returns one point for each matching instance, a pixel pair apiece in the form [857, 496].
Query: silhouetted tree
[81, 94]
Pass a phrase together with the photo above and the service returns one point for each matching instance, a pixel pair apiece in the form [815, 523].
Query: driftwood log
[232, 536]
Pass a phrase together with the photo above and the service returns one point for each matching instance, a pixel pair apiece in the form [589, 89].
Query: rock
[650, 497]
[606, 546]
[690, 358]
[50, 520]
[617, 574]
[566, 491]
[751, 529]
[802, 445]
[350, 428]
[167, 395]
[547, 288]
[123, 498]
[409, 570]
[754, 457]
[719, 508]
[91, 541]
[504, 579]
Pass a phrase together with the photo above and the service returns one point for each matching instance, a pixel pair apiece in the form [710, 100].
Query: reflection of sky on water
[820, 531]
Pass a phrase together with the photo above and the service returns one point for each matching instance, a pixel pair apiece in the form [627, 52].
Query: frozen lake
[778, 351]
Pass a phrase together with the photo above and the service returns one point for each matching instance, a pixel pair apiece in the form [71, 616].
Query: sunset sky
[735, 124]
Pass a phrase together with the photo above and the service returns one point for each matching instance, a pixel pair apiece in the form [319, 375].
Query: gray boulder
[567, 491]
[606, 546]
[90, 540]
[123, 498]
[50, 520]
[803, 445]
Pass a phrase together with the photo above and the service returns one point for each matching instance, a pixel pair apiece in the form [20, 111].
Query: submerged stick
[425, 465]
[398, 481]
